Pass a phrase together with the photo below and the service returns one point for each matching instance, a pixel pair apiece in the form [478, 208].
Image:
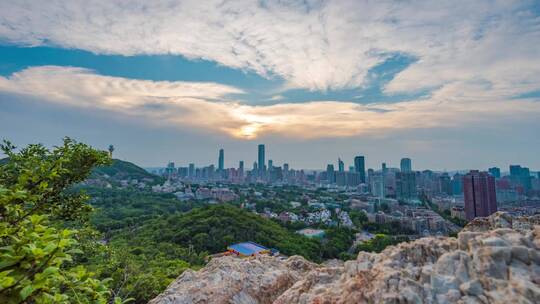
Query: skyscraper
[457, 184]
[406, 165]
[221, 160]
[360, 168]
[406, 185]
[496, 172]
[330, 174]
[341, 165]
[479, 194]
[241, 168]
[261, 161]
[191, 170]
[377, 186]
[522, 176]
[445, 184]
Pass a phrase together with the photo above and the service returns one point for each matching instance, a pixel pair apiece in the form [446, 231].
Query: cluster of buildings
[261, 172]
[477, 193]
[411, 218]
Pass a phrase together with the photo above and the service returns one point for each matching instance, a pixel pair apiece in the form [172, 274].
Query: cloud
[276, 98]
[209, 107]
[315, 44]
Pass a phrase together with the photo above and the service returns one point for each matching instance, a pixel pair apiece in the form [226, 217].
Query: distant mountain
[120, 169]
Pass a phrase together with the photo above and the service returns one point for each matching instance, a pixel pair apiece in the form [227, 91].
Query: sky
[452, 85]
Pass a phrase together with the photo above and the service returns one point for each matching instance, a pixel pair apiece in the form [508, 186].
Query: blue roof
[247, 248]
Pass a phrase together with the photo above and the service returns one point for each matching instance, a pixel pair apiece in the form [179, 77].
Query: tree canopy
[36, 254]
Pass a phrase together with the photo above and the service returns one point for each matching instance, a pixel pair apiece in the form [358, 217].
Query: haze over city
[451, 85]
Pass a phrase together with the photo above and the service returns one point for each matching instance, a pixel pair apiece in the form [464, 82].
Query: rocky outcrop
[493, 260]
[233, 280]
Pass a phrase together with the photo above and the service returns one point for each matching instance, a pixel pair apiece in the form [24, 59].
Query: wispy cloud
[207, 106]
[317, 45]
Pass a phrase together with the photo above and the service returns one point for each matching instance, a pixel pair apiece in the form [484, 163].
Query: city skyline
[356, 164]
[453, 85]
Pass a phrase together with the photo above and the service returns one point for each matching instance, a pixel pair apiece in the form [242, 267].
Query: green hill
[213, 228]
[120, 169]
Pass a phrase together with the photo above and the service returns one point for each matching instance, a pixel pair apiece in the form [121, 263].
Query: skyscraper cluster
[478, 191]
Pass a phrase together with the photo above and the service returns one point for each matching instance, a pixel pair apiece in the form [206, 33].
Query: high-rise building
[521, 175]
[330, 174]
[183, 172]
[515, 170]
[496, 172]
[360, 168]
[479, 194]
[170, 169]
[221, 160]
[405, 165]
[241, 168]
[377, 185]
[457, 184]
[261, 160]
[406, 185]
[341, 165]
[341, 178]
[353, 178]
[445, 184]
[270, 164]
[191, 171]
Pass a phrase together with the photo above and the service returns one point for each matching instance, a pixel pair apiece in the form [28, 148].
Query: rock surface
[493, 260]
[233, 280]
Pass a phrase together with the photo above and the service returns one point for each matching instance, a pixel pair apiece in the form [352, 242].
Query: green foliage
[392, 228]
[35, 255]
[140, 272]
[213, 228]
[338, 241]
[120, 169]
[121, 208]
[379, 243]
[359, 218]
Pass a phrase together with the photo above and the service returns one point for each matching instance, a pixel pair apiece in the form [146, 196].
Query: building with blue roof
[247, 249]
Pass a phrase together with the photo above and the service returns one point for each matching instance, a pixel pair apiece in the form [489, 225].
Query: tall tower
[261, 161]
[341, 165]
[479, 194]
[360, 168]
[221, 160]
[330, 174]
[111, 149]
[191, 170]
[406, 165]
